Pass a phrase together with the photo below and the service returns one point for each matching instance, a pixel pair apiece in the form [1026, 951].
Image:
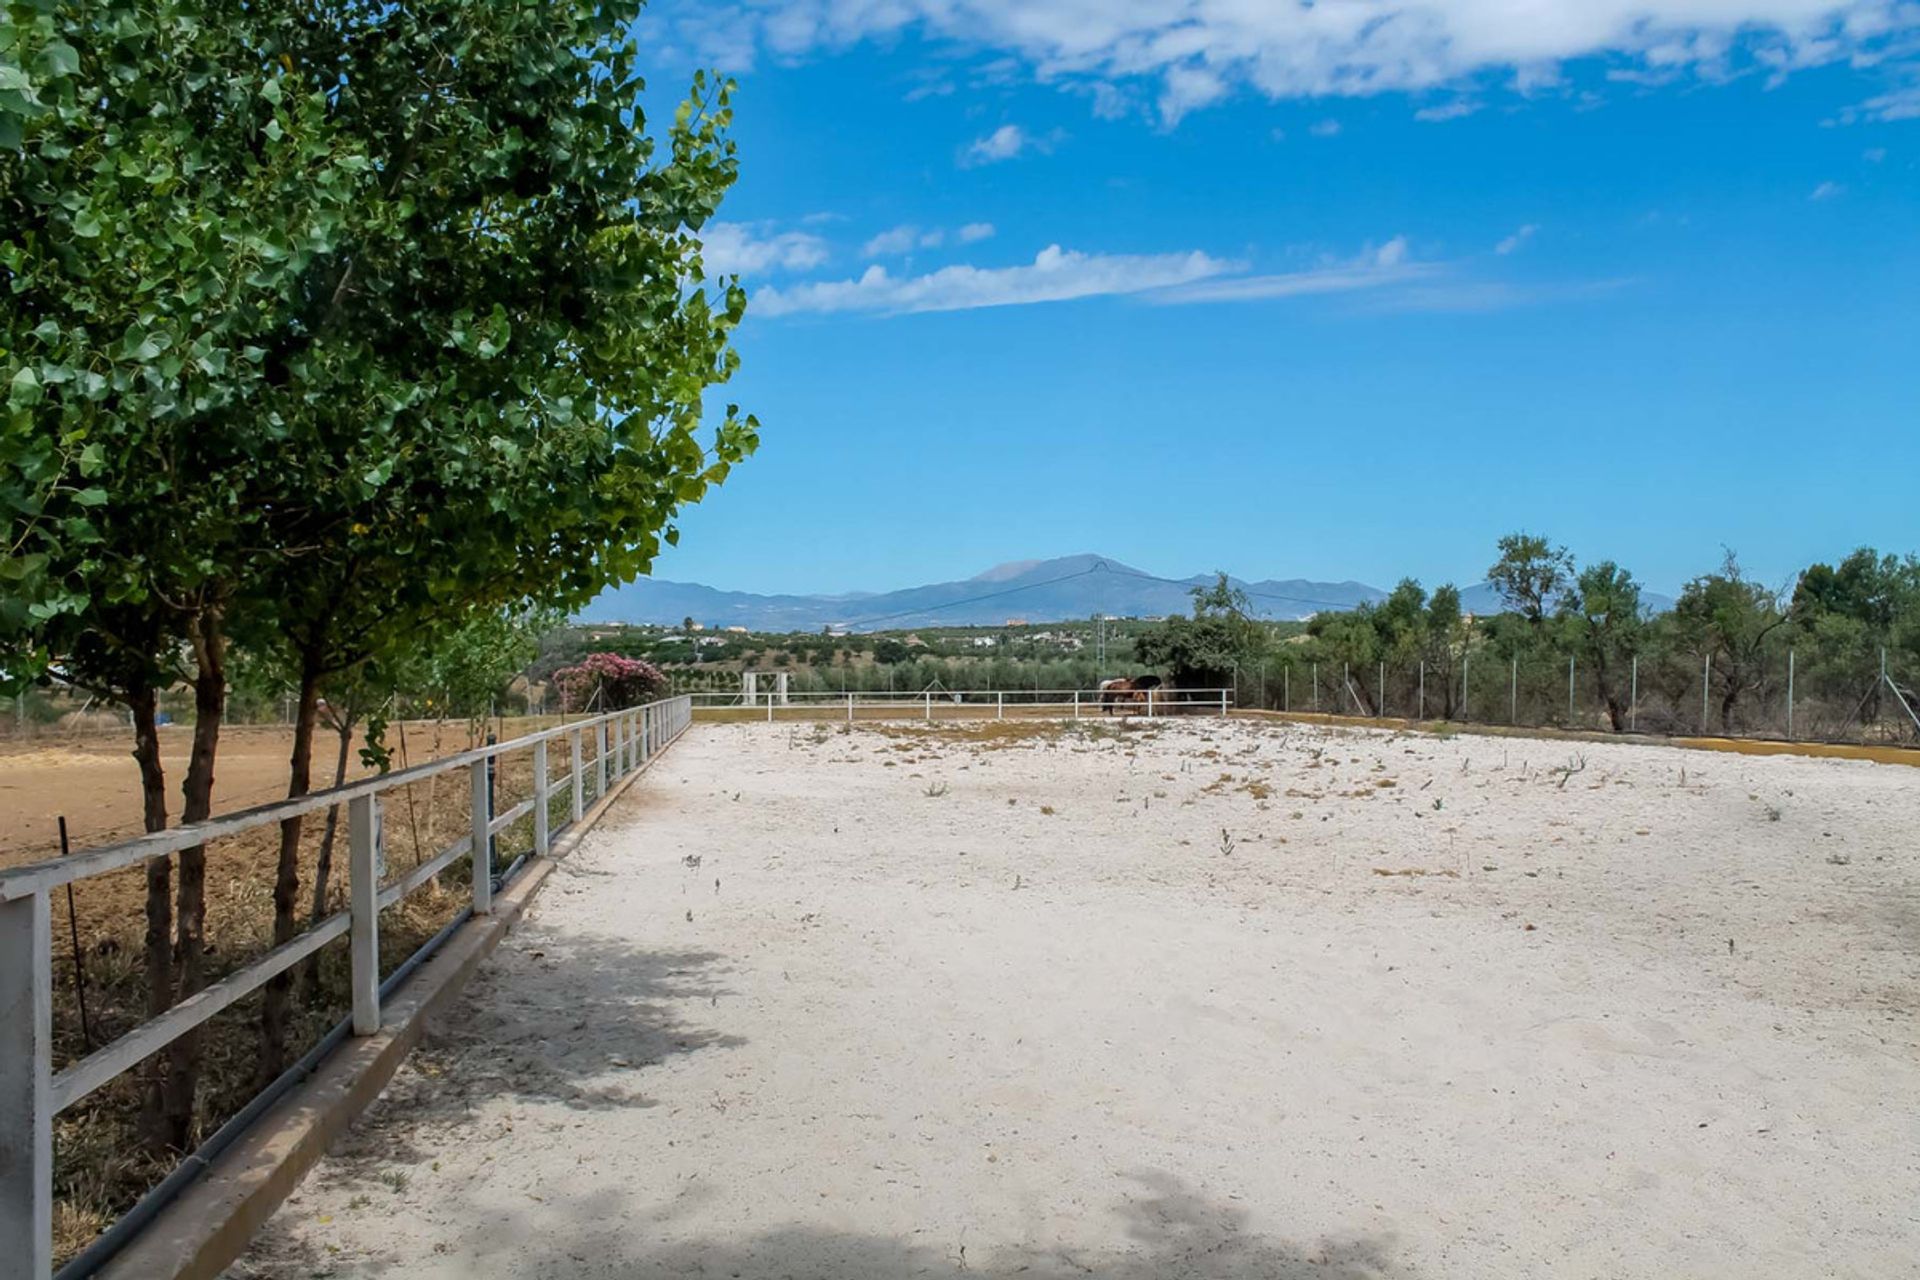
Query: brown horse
[1126, 689]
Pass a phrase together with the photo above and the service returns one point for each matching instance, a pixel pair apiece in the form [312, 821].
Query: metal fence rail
[32, 1094]
[963, 704]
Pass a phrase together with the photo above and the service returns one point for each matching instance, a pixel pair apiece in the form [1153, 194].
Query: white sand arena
[1189, 999]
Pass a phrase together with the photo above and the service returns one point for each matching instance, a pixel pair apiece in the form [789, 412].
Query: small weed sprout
[936, 789]
[1226, 843]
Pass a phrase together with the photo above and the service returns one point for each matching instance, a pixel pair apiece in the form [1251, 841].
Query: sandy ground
[1184, 1000]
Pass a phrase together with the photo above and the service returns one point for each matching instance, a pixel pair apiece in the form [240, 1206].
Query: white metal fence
[32, 1093]
[967, 704]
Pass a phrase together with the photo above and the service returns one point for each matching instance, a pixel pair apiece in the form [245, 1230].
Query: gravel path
[1190, 999]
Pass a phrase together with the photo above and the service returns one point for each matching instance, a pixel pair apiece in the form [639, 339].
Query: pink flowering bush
[608, 682]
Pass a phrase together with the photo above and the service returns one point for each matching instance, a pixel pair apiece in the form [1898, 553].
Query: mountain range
[1068, 587]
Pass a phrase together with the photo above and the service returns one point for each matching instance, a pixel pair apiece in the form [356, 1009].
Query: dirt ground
[1190, 999]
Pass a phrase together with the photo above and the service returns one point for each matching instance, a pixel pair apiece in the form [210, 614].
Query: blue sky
[1333, 291]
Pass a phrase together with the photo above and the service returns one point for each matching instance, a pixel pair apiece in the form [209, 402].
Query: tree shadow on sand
[553, 1016]
[1165, 1231]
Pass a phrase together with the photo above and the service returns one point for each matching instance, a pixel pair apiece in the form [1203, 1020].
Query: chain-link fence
[1787, 695]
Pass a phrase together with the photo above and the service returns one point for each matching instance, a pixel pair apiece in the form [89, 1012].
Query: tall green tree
[1530, 575]
[1735, 621]
[1204, 650]
[356, 320]
[1602, 615]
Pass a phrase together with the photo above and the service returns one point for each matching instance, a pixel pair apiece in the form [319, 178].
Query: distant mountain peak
[1008, 571]
[1049, 590]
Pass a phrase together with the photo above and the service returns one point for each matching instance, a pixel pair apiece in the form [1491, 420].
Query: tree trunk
[275, 1008]
[190, 944]
[142, 701]
[323, 867]
[1616, 714]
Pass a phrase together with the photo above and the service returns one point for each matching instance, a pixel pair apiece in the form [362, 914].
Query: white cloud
[1194, 52]
[1826, 191]
[888, 243]
[1515, 240]
[750, 248]
[907, 237]
[1055, 275]
[1874, 155]
[1325, 129]
[1004, 143]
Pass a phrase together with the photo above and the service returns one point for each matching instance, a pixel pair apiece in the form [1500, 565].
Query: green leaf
[59, 59]
[25, 388]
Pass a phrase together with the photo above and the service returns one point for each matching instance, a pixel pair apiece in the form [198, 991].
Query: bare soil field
[1181, 999]
[90, 777]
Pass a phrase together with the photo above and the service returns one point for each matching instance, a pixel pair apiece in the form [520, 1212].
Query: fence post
[482, 843]
[1789, 695]
[26, 1085]
[1223, 700]
[1513, 692]
[929, 697]
[849, 707]
[1149, 704]
[999, 705]
[578, 781]
[363, 894]
[1380, 706]
[541, 842]
[1633, 698]
[1423, 689]
[1569, 691]
[1286, 687]
[1706, 687]
[1076, 704]
[1466, 671]
[600, 759]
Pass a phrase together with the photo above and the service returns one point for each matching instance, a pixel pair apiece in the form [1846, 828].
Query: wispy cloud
[1055, 275]
[1458, 109]
[752, 248]
[1325, 129]
[1388, 265]
[1518, 238]
[974, 232]
[1463, 296]
[1826, 191]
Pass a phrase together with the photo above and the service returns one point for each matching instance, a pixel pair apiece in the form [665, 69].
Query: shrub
[609, 682]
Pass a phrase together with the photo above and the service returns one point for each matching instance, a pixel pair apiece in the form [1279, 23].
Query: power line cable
[991, 595]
